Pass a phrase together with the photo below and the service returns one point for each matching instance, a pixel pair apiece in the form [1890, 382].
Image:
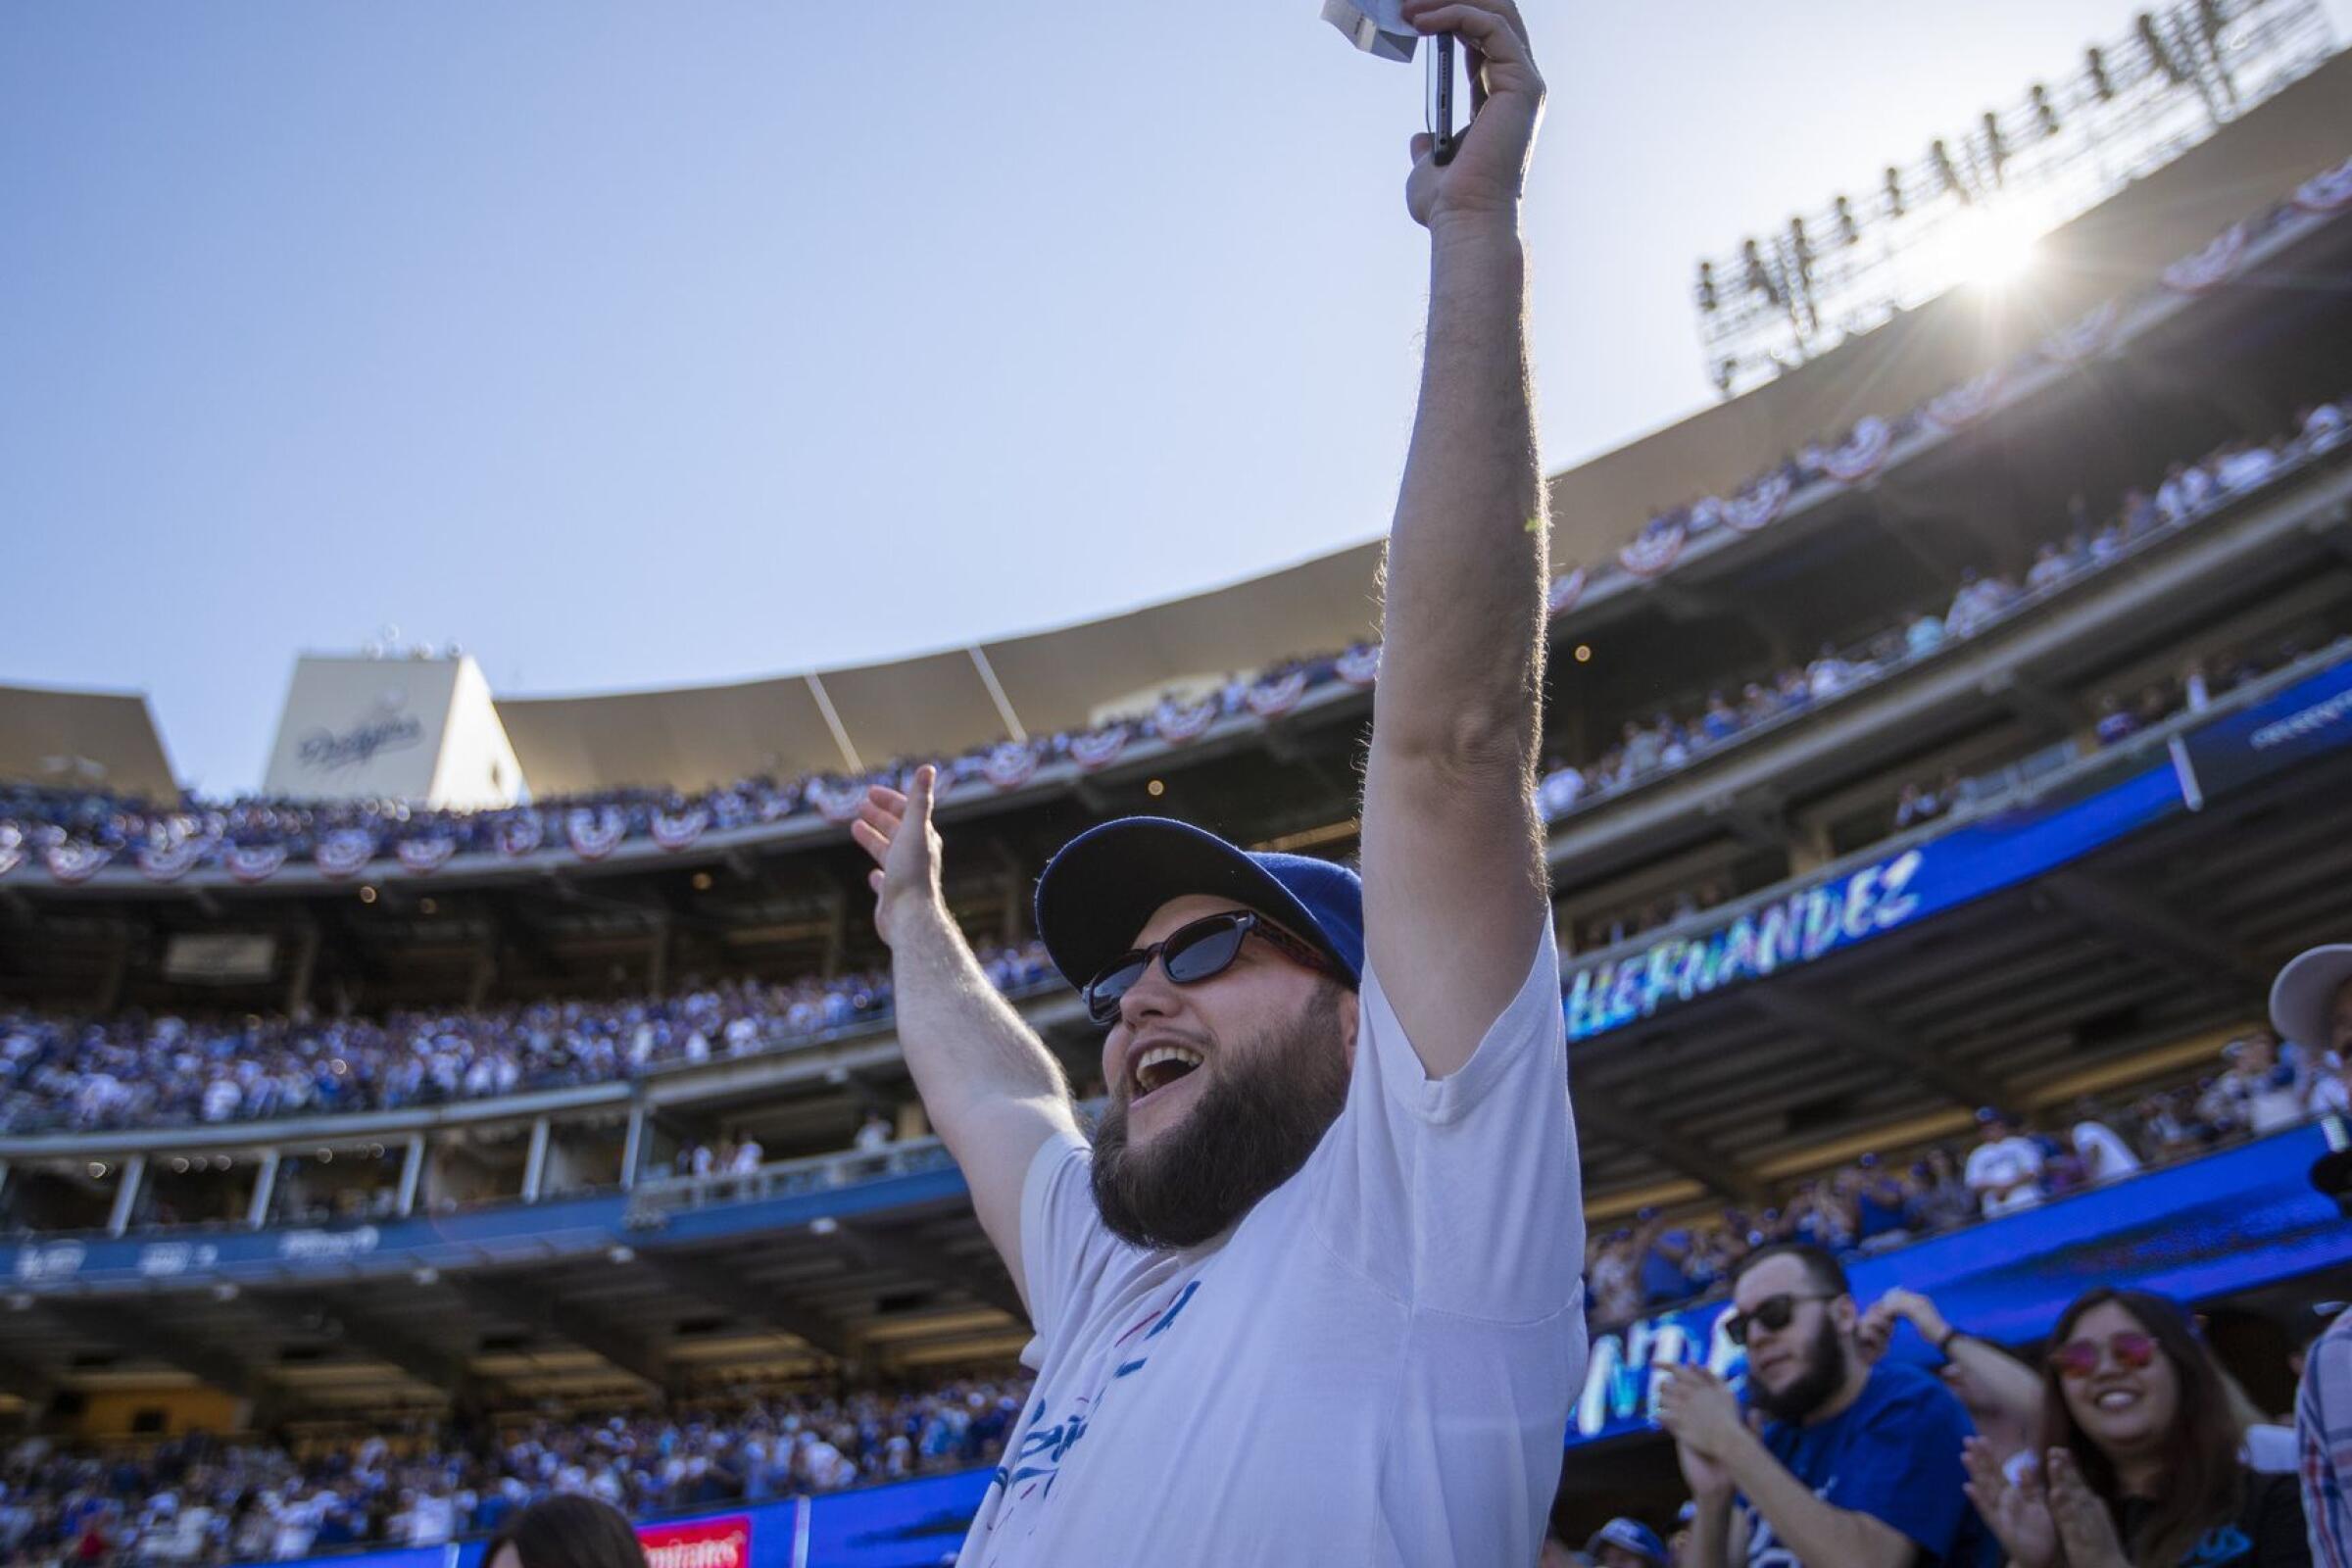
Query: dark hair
[569, 1531]
[2202, 1479]
[1821, 1265]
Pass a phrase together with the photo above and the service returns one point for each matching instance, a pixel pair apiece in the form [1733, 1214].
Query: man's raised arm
[987, 1083]
[1454, 885]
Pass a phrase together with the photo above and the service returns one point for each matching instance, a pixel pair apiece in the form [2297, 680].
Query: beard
[1258, 1120]
[1823, 1376]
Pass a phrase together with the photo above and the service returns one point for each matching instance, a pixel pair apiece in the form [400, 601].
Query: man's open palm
[896, 830]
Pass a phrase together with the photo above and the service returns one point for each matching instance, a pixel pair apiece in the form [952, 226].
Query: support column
[1015, 893]
[127, 1194]
[837, 933]
[265, 1188]
[534, 1167]
[298, 980]
[411, 1168]
[485, 975]
[632, 1148]
[117, 971]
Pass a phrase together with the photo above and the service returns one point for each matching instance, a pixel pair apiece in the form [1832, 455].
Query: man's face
[1791, 1371]
[1185, 1150]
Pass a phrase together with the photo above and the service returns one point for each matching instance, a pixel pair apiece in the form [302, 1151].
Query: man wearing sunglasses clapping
[1310, 1292]
[1847, 1463]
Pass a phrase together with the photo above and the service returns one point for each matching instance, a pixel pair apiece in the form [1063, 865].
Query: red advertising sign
[721, 1542]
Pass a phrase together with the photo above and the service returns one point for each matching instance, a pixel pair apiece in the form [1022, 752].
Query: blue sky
[636, 345]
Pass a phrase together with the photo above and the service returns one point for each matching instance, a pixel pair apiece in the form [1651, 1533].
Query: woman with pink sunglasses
[2141, 1465]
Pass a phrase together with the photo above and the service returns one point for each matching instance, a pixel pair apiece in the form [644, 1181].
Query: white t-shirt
[2270, 1451]
[1373, 1367]
[2329, 1094]
[431, 1520]
[1993, 1165]
[2105, 1156]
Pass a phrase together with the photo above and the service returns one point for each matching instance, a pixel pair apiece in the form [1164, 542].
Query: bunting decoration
[675, 833]
[2086, 339]
[1861, 453]
[1657, 549]
[1009, 764]
[1097, 750]
[1565, 590]
[1964, 405]
[1271, 698]
[345, 853]
[1177, 724]
[2210, 267]
[12, 847]
[2330, 193]
[1359, 666]
[425, 856]
[74, 863]
[250, 863]
[168, 862]
[837, 802]
[1760, 505]
[519, 834]
[595, 832]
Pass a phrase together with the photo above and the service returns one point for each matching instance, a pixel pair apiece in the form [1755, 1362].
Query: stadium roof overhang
[83, 740]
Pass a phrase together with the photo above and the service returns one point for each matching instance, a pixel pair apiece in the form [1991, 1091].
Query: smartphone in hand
[1440, 98]
[1451, 82]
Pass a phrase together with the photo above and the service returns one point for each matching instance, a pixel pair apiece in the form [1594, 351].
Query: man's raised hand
[896, 830]
[1489, 168]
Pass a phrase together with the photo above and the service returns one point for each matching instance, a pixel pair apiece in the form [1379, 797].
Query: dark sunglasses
[2079, 1358]
[1190, 953]
[1774, 1313]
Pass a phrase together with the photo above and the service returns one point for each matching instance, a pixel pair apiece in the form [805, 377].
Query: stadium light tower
[1969, 210]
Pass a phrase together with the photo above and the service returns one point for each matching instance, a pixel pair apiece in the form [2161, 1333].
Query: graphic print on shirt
[1034, 1462]
[1764, 1548]
[2221, 1545]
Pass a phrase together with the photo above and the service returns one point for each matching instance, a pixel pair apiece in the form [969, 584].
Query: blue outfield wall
[913, 1524]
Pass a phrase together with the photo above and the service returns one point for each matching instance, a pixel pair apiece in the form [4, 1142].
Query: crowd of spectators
[1663, 1262]
[2197, 687]
[136, 1070]
[2189, 490]
[197, 1500]
[39, 817]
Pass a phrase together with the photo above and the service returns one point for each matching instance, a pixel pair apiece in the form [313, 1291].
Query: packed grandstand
[1929, 809]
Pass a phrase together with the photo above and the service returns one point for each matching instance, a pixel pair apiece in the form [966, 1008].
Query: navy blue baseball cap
[1629, 1534]
[1095, 895]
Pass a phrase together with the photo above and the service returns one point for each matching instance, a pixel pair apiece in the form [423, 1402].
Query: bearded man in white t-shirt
[1310, 1295]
